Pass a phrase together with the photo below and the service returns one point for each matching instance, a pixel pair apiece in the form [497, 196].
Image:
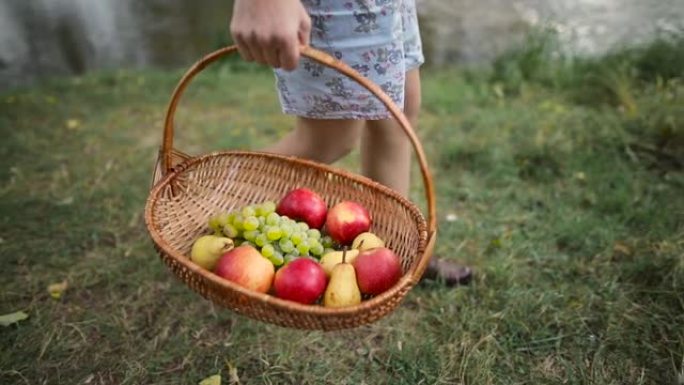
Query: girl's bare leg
[321, 140]
[385, 149]
[386, 157]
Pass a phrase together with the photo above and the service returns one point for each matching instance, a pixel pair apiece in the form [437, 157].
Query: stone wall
[57, 37]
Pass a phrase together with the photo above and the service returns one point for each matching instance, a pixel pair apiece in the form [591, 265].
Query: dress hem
[341, 116]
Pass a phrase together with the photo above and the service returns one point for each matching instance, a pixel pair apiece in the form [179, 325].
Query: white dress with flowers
[378, 38]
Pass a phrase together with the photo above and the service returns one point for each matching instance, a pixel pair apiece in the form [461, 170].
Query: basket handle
[329, 61]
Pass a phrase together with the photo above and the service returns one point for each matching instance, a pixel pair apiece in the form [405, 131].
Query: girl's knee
[329, 140]
[334, 147]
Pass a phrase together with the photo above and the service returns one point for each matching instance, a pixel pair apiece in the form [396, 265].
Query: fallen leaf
[73, 124]
[621, 248]
[12, 318]
[57, 289]
[232, 374]
[211, 380]
[498, 90]
[66, 201]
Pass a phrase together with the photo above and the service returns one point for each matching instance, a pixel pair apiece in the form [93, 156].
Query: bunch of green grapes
[278, 238]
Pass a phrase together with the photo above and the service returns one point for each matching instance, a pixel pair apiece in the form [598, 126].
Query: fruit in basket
[272, 254]
[275, 236]
[343, 289]
[377, 270]
[302, 204]
[330, 259]
[207, 249]
[346, 220]
[245, 266]
[230, 231]
[366, 241]
[265, 208]
[302, 280]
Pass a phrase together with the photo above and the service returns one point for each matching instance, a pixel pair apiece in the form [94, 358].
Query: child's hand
[270, 31]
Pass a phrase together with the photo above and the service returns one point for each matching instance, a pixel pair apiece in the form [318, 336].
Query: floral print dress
[378, 38]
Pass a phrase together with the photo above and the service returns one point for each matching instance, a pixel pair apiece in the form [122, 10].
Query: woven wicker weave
[188, 190]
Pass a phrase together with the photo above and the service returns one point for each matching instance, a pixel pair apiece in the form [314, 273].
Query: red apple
[245, 266]
[305, 205]
[346, 220]
[377, 270]
[301, 280]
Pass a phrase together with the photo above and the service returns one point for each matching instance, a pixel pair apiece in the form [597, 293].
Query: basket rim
[406, 281]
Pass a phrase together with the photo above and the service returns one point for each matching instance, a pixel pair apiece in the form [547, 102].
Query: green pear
[342, 290]
[330, 259]
[366, 241]
[207, 250]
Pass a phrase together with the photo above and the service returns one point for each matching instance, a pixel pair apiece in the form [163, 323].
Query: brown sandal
[448, 271]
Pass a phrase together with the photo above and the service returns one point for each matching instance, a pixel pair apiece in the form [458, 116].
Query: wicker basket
[188, 190]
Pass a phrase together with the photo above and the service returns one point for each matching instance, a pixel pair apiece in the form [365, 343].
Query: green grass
[568, 204]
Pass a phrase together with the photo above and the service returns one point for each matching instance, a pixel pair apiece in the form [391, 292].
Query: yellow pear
[331, 259]
[342, 289]
[366, 241]
[207, 250]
